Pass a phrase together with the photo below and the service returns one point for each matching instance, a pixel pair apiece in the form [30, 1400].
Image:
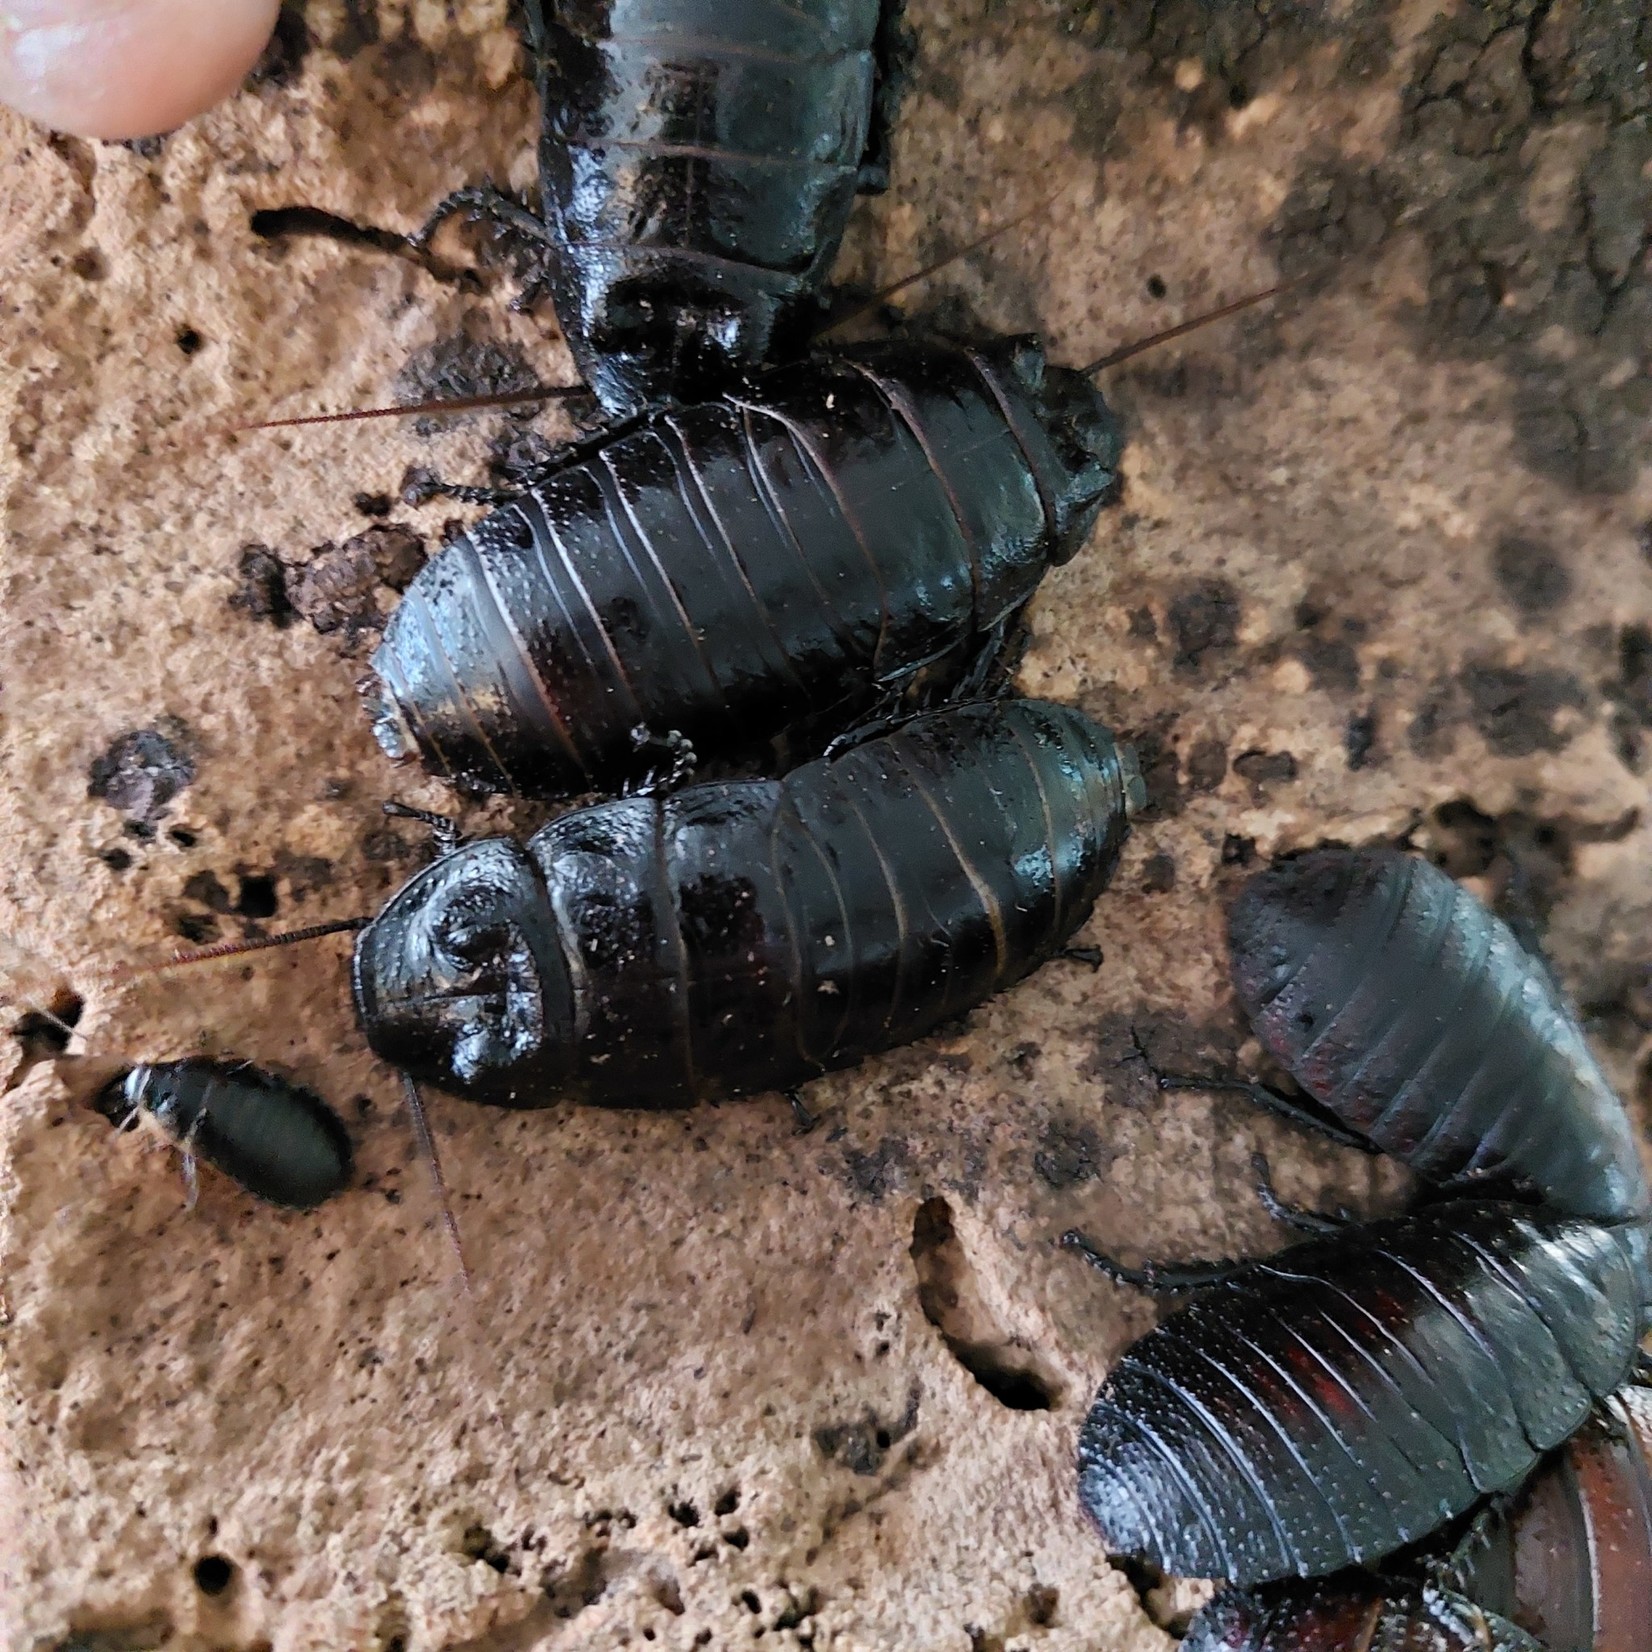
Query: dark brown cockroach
[722, 572]
[1570, 1557]
[1353, 1612]
[1415, 1018]
[279, 1141]
[748, 936]
[697, 163]
[1347, 1397]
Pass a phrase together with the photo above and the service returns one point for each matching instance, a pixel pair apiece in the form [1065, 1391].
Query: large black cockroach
[1570, 1558]
[1567, 1559]
[1352, 1613]
[279, 1141]
[725, 571]
[1350, 1395]
[1346, 1398]
[748, 936]
[697, 163]
[1415, 1018]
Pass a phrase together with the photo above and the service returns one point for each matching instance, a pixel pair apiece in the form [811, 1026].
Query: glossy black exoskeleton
[697, 163]
[1333, 1403]
[727, 571]
[741, 937]
[1348, 1397]
[281, 1142]
[1567, 1560]
[1412, 1015]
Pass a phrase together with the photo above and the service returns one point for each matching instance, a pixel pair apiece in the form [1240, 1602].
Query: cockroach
[1414, 1017]
[280, 1142]
[1331, 1404]
[697, 165]
[276, 1139]
[1335, 1403]
[1567, 1559]
[747, 936]
[722, 572]
[1353, 1612]
[1570, 1557]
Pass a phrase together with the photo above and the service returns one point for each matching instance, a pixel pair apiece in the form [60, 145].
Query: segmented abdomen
[1572, 1559]
[1404, 1006]
[751, 936]
[730, 128]
[1351, 1613]
[281, 1142]
[730, 569]
[1348, 1396]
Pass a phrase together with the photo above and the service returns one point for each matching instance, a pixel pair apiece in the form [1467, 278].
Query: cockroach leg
[1296, 1216]
[1153, 1276]
[445, 835]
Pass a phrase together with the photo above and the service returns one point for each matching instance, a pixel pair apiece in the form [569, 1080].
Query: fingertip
[127, 68]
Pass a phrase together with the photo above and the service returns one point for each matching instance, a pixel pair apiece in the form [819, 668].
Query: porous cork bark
[1381, 567]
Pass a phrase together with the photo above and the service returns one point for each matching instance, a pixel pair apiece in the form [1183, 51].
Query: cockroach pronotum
[1352, 1613]
[1416, 1019]
[748, 936]
[1570, 1556]
[725, 571]
[697, 163]
[279, 1141]
[1333, 1403]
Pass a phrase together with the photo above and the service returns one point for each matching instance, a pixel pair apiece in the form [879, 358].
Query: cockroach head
[460, 981]
[1082, 435]
[1283, 913]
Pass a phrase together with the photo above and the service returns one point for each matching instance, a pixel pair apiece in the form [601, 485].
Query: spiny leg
[1154, 1276]
[444, 829]
[1316, 1222]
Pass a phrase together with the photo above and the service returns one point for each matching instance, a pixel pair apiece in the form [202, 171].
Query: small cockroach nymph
[739, 937]
[277, 1140]
[697, 165]
[1349, 1396]
[274, 1138]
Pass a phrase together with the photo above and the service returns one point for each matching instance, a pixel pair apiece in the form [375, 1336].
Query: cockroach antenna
[232, 949]
[1126, 351]
[407, 410]
[427, 1148]
[884, 294]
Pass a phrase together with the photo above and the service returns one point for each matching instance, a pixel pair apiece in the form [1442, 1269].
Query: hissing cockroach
[279, 1141]
[726, 571]
[1412, 1014]
[1351, 1613]
[697, 163]
[1570, 1558]
[740, 937]
[1328, 1405]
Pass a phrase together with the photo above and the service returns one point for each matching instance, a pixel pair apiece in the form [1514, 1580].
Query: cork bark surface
[1381, 570]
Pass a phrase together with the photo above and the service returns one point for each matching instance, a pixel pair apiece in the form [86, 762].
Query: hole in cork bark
[213, 1574]
[953, 1304]
[45, 1033]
